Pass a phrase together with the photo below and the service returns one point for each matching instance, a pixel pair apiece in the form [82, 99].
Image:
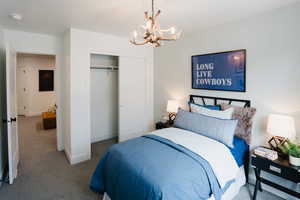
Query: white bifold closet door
[133, 116]
[104, 104]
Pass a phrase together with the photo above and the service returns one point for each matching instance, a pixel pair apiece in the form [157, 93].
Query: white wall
[82, 44]
[273, 72]
[66, 90]
[24, 42]
[36, 102]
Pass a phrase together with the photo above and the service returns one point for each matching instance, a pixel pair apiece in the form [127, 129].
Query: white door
[132, 97]
[12, 129]
[22, 90]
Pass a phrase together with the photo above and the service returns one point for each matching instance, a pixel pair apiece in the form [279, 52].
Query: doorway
[36, 102]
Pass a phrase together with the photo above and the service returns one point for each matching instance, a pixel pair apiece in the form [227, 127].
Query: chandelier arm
[146, 15]
[167, 39]
[139, 43]
[157, 14]
[157, 44]
[165, 30]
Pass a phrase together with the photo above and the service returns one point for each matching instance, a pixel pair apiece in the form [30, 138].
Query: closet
[119, 95]
[104, 96]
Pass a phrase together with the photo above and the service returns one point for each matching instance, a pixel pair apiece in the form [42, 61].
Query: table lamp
[172, 108]
[281, 127]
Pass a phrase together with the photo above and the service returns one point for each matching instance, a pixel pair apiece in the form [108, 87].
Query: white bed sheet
[235, 187]
[215, 153]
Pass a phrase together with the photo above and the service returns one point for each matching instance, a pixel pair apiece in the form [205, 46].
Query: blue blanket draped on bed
[154, 168]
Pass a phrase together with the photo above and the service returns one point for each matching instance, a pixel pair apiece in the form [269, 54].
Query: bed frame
[217, 101]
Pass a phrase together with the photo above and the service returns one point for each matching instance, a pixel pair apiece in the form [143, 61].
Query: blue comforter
[153, 168]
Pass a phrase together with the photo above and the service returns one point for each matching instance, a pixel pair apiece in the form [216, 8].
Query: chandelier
[151, 33]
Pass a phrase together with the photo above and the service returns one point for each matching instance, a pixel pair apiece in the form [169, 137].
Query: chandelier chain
[152, 9]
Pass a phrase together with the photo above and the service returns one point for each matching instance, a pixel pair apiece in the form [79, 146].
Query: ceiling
[119, 17]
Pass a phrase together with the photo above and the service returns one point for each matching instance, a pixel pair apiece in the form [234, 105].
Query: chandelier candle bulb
[173, 30]
[134, 34]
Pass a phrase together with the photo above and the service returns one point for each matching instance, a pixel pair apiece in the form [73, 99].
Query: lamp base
[275, 142]
[172, 117]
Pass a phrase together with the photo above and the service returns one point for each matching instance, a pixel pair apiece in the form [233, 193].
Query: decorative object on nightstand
[266, 153]
[293, 150]
[281, 127]
[172, 108]
[279, 167]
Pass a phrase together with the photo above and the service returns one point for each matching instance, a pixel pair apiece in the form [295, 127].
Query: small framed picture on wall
[46, 80]
[224, 71]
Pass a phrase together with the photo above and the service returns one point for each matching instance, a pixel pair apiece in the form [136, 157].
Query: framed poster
[225, 71]
[46, 80]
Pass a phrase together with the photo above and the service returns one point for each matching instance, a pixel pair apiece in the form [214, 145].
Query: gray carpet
[44, 173]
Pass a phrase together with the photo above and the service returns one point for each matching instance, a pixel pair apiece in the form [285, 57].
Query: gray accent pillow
[245, 121]
[221, 130]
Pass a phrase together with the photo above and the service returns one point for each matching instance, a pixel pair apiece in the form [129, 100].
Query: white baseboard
[75, 159]
[68, 155]
[103, 137]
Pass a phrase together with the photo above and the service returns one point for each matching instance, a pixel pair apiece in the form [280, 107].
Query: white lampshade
[172, 106]
[281, 125]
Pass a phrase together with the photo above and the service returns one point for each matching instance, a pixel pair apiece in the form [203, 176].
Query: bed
[174, 164]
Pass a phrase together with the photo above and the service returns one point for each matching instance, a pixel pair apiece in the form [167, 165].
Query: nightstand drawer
[274, 168]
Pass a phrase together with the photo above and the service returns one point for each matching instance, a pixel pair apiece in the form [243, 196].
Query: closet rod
[107, 68]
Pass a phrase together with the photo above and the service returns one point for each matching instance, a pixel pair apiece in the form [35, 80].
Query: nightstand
[280, 168]
[161, 125]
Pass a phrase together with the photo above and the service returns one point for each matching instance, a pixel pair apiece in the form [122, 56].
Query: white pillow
[226, 114]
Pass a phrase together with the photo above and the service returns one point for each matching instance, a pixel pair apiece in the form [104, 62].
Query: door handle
[9, 121]
[13, 119]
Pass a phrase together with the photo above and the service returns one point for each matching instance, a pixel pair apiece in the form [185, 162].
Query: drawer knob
[275, 169]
